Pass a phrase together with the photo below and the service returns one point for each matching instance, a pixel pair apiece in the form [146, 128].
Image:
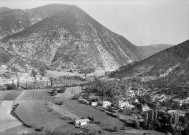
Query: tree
[115, 129]
[42, 71]
[7, 75]
[33, 73]
[62, 89]
[52, 82]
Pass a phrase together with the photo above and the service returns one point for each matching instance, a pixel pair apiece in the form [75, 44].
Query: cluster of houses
[105, 103]
[181, 101]
[160, 97]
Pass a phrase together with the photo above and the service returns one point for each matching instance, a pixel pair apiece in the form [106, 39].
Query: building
[178, 112]
[145, 108]
[124, 104]
[81, 122]
[105, 104]
[131, 93]
[93, 103]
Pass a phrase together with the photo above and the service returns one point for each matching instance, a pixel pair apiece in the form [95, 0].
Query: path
[6, 119]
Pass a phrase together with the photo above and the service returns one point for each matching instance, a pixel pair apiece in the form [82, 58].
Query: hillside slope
[3, 9]
[13, 21]
[16, 20]
[169, 67]
[153, 49]
[68, 38]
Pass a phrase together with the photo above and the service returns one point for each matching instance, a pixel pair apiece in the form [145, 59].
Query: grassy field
[69, 93]
[68, 82]
[32, 85]
[33, 110]
[83, 110]
[18, 130]
[61, 73]
[35, 94]
[64, 113]
[10, 94]
[35, 113]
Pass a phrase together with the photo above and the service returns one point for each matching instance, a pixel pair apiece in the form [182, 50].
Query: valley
[64, 73]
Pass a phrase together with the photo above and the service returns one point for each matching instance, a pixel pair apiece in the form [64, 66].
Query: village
[90, 104]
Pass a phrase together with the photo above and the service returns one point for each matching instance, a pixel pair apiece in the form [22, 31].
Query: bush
[136, 125]
[115, 129]
[62, 90]
[39, 129]
[10, 86]
[33, 73]
[58, 102]
[42, 71]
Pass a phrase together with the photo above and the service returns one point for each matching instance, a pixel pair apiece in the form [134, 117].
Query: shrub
[62, 89]
[33, 73]
[115, 129]
[42, 71]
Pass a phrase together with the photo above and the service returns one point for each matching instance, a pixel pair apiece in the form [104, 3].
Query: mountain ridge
[71, 39]
[150, 50]
[169, 67]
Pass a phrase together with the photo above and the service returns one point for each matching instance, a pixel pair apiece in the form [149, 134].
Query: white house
[93, 103]
[131, 93]
[82, 122]
[179, 112]
[123, 104]
[105, 104]
[136, 101]
[145, 108]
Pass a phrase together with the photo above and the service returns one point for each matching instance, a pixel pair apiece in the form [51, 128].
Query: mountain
[153, 49]
[65, 37]
[166, 68]
[16, 20]
[13, 21]
[10, 61]
[2, 9]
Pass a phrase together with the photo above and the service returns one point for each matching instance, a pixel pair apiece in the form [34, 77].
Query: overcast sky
[142, 22]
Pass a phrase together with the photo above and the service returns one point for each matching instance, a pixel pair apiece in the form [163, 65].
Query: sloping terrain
[65, 37]
[153, 49]
[3, 9]
[6, 119]
[9, 61]
[13, 21]
[16, 20]
[168, 67]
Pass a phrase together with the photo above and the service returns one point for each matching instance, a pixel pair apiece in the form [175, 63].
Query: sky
[142, 22]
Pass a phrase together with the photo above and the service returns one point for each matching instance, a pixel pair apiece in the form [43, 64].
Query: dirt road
[6, 119]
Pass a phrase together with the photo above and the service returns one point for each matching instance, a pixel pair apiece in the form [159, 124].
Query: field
[33, 110]
[35, 114]
[61, 73]
[36, 94]
[31, 85]
[65, 82]
[37, 110]
[69, 93]
[83, 111]
[10, 94]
